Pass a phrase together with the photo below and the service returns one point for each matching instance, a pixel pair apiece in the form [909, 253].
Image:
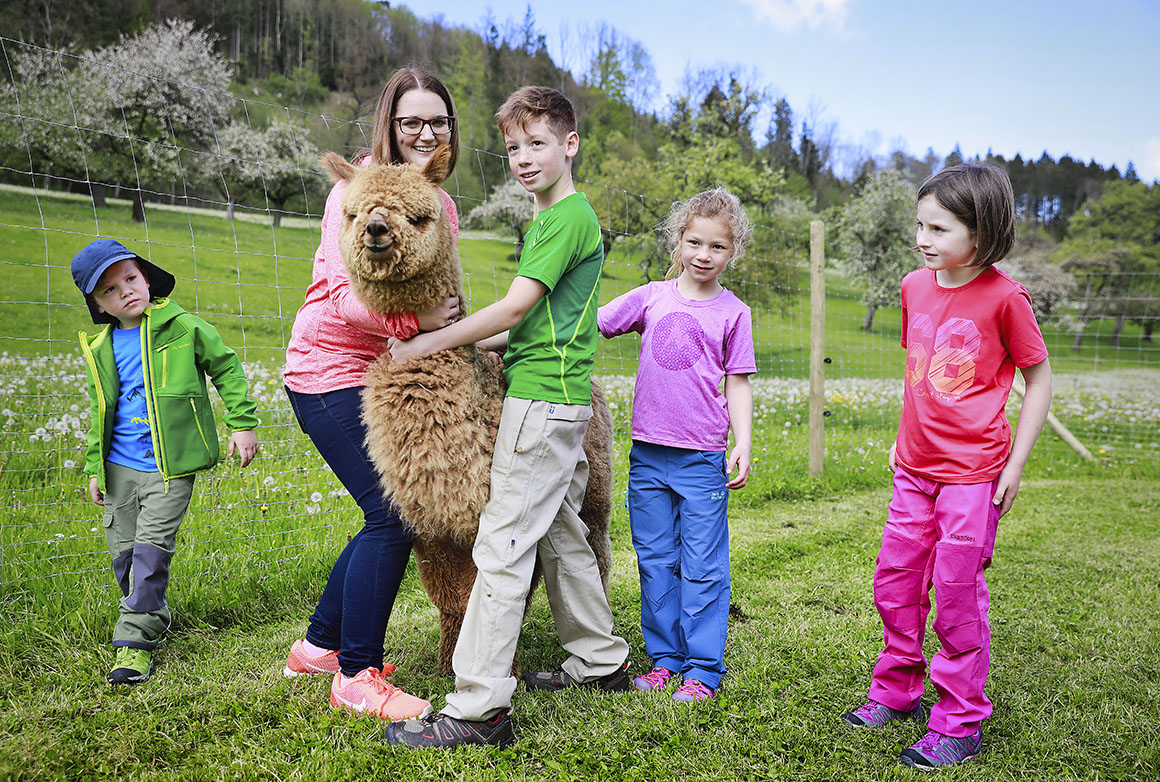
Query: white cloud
[1149, 168]
[788, 14]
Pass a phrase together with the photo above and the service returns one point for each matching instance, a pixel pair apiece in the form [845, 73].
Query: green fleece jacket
[178, 350]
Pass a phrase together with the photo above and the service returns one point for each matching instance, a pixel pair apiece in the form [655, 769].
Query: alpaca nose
[377, 228]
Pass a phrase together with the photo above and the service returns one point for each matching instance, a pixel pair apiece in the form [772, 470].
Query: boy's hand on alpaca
[738, 460]
[403, 349]
[1007, 488]
[442, 314]
[890, 460]
[494, 356]
[245, 442]
[95, 491]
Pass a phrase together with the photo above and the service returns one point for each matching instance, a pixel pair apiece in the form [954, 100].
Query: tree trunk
[869, 321]
[98, 192]
[1087, 292]
[1118, 331]
[1075, 346]
[138, 206]
[1148, 327]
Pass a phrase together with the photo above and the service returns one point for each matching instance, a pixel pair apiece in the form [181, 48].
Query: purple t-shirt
[687, 347]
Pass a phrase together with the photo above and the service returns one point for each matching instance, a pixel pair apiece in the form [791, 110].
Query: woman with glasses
[334, 341]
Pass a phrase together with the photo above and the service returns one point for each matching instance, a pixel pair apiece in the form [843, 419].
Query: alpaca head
[396, 237]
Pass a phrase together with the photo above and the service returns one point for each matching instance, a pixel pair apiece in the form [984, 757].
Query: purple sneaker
[934, 750]
[656, 679]
[873, 714]
[692, 690]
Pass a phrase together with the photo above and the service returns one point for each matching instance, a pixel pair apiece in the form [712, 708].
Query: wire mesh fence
[226, 193]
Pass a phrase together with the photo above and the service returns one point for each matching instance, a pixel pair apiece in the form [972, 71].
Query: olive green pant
[141, 522]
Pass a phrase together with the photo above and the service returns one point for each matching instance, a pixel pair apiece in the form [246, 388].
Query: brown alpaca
[432, 422]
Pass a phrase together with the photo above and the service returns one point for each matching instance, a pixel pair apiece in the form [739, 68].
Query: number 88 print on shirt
[962, 347]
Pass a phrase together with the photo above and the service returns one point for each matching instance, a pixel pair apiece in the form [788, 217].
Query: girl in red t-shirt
[966, 326]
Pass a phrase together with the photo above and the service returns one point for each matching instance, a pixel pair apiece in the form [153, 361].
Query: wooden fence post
[817, 442]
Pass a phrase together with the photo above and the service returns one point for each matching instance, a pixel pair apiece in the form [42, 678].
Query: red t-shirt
[962, 347]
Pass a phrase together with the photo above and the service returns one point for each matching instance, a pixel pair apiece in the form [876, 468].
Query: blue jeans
[352, 614]
[677, 508]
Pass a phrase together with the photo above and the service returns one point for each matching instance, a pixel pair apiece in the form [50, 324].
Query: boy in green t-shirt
[539, 471]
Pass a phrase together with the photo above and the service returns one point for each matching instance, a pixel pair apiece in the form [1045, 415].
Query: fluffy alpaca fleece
[432, 422]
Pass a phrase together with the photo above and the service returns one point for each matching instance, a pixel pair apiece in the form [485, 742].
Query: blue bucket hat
[90, 263]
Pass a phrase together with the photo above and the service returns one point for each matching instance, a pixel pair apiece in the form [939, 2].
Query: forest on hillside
[213, 75]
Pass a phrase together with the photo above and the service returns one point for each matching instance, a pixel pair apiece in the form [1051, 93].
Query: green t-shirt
[549, 354]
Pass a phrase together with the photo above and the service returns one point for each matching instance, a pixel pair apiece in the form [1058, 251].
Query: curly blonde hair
[715, 204]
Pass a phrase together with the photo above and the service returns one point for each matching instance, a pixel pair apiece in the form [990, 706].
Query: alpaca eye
[419, 220]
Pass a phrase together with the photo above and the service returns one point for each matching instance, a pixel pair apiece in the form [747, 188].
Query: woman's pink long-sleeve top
[335, 337]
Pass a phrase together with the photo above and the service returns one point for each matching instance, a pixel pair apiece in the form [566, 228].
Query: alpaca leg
[447, 574]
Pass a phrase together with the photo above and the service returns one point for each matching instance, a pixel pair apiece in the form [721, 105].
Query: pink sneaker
[370, 691]
[693, 690]
[656, 679]
[299, 662]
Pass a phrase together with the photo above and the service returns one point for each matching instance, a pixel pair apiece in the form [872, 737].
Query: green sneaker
[131, 666]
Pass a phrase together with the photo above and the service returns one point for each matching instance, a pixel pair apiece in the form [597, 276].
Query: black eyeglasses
[413, 126]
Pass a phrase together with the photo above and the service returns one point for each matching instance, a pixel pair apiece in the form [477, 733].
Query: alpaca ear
[337, 167]
[438, 168]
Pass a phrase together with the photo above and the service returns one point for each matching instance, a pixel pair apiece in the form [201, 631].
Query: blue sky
[1065, 76]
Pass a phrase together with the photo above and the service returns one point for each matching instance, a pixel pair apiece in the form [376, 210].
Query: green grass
[1075, 616]
[1075, 622]
[248, 278]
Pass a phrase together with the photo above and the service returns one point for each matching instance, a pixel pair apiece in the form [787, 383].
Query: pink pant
[941, 534]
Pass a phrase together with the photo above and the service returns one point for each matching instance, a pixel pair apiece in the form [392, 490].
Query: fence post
[817, 442]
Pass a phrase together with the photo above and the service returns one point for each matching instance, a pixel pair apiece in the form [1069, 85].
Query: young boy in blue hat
[152, 429]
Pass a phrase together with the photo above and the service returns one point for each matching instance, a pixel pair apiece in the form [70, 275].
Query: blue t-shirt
[132, 444]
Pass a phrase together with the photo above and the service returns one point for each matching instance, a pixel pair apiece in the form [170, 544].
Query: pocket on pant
[112, 513]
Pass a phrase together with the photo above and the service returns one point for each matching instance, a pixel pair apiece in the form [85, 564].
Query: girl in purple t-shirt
[694, 335]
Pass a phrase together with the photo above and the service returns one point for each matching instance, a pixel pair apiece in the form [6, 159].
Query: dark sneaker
[617, 681]
[934, 750]
[131, 666]
[873, 714]
[441, 730]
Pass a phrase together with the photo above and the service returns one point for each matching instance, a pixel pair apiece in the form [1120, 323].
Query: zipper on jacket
[197, 420]
[151, 398]
[91, 362]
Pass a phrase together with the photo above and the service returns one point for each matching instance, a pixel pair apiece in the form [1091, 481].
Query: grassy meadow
[1075, 617]
[1075, 680]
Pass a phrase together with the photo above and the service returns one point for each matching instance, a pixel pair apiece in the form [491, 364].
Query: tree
[874, 232]
[954, 158]
[509, 204]
[779, 147]
[1050, 286]
[163, 90]
[52, 110]
[232, 169]
[283, 170]
[1115, 245]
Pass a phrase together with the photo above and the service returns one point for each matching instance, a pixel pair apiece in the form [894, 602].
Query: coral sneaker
[370, 691]
[300, 662]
